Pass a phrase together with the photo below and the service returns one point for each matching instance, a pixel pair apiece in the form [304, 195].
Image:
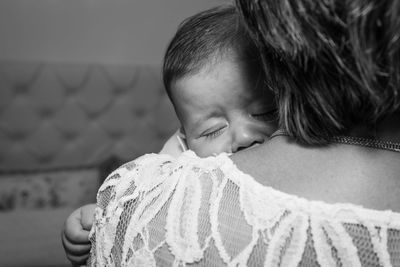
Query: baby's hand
[75, 234]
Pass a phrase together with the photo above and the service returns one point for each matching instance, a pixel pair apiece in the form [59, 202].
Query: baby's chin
[210, 153]
[207, 153]
[204, 153]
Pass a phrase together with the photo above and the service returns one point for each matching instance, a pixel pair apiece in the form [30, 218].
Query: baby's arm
[75, 234]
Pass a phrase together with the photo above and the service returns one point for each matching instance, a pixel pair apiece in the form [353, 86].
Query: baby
[214, 78]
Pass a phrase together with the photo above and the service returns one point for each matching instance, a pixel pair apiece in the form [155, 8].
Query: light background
[103, 31]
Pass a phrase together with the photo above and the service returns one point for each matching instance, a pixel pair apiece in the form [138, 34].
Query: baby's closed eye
[265, 114]
[213, 132]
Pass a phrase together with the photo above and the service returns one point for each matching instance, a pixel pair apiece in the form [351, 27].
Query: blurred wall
[103, 31]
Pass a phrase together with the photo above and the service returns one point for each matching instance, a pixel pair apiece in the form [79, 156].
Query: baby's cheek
[207, 148]
[203, 149]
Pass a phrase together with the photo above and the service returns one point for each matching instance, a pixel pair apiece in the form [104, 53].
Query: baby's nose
[246, 137]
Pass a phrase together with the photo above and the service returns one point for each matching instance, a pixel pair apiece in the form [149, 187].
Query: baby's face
[221, 110]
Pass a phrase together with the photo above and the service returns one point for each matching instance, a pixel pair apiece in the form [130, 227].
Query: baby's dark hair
[205, 37]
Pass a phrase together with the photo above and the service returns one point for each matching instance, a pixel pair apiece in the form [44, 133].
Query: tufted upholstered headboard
[55, 115]
[59, 124]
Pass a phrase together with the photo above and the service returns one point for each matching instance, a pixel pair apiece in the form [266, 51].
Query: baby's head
[213, 75]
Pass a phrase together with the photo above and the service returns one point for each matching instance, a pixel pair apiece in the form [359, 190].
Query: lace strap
[279, 132]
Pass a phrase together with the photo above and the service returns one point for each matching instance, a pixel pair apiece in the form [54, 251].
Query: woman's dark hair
[205, 37]
[333, 64]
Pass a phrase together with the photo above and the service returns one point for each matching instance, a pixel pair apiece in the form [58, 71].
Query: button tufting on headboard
[67, 114]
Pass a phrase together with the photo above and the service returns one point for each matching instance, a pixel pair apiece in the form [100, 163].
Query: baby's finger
[87, 216]
[73, 229]
[78, 260]
[75, 249]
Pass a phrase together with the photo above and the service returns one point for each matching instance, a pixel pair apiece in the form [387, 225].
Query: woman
[323, 191]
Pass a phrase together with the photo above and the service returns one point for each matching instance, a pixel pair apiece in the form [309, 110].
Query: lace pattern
[160, 211]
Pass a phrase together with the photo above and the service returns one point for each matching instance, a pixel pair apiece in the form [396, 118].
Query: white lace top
[160, 211]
